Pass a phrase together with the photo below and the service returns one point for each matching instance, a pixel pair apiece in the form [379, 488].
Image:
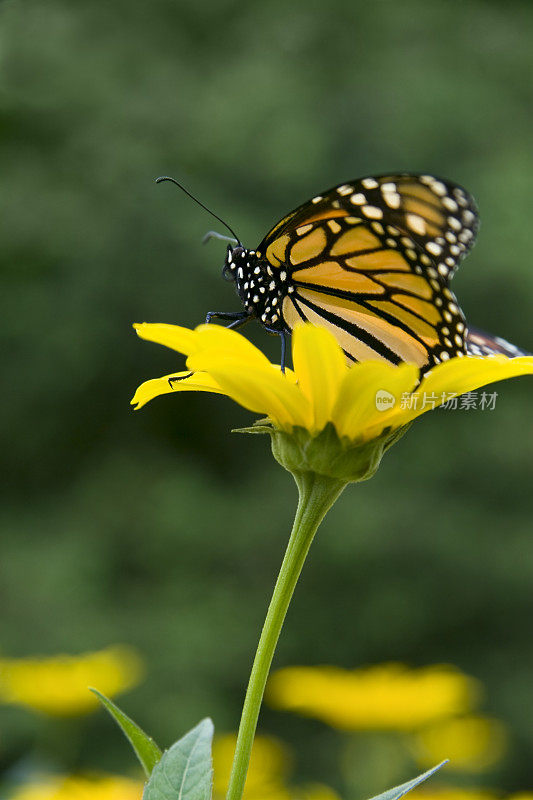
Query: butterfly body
[261, 289]
[371, 260]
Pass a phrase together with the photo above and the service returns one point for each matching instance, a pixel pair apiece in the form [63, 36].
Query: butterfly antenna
[173, 180]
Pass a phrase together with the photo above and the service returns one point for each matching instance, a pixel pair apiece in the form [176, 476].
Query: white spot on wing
[439, 188]
[372, 212]
[392, 199]
[416, 223]
[449, 204]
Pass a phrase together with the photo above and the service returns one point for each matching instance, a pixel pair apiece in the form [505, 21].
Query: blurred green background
[161, 529]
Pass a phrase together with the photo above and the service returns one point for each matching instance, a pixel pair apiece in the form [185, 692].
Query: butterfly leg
[238, 318]
[238, 323]
[230, 316]
[283, 337]
[181, 378]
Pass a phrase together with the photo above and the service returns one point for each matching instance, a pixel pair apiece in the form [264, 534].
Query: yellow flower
[472, 743]
[269, 767]
[59, 685]
[267, 775]
[453, 793]
[384, 697]
[362, 402]
[109, 787]
[315, 791]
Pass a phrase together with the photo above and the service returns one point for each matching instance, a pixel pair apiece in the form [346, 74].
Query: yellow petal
[359, 410]
[257, 388]
[460, 375]
[320, 366]
[235, 344]
[466, 374]
[187, 382]
[174, 336]
[203, 337]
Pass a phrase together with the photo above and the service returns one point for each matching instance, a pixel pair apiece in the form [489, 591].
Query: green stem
[317, 495]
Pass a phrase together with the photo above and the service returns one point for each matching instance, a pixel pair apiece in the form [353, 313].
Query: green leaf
[399, 791]
[145, 748]
[185, 770]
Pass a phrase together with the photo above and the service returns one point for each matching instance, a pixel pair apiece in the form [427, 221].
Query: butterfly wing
[440, 216]
[479, 343]
[351, 270]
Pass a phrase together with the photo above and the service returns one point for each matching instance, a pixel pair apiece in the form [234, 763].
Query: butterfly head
[241, 266]
[235, 258]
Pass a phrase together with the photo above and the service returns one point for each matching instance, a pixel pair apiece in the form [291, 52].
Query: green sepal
[326, 453]
[185, 771]
[399, 791]
[144, 746]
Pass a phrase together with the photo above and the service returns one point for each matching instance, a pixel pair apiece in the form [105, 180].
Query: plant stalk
[317, 494]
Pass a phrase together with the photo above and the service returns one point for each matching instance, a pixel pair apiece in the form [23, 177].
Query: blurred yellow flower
[269, 767]
[384, 697]
[264, 781]
[452, 793]
[109, 787]
[267, 775]
[361, 400]
[59, 685]
[314, 791]
[472, 743]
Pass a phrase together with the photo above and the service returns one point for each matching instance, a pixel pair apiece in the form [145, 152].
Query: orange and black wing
[440, 216]
[353, 269]
[369, 287]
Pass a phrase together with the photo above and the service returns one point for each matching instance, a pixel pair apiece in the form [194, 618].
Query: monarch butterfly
[370, 260]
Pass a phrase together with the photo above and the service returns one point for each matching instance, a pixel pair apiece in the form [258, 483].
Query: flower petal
[460, 375]
[174, 336]
[203, 337]
[358, 412]
[320, 366]
[257, 388]
[186, 382]
[216, 336]
[361, 401]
